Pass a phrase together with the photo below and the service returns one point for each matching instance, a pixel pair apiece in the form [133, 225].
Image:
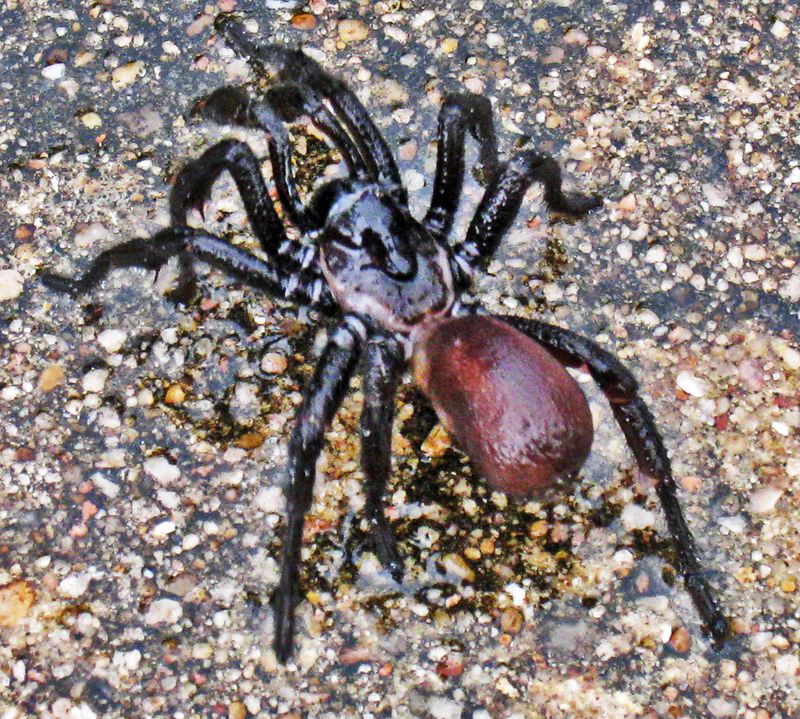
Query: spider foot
[283, 604]
[577, 204]
[184, 291]
[386, 550]
[225, 106]
[715, 623]
[198, 198]
[59, 283]
[191, 191]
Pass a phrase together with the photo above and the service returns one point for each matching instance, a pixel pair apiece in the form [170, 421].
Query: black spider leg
[501, 202]
[458, 114]
[292, 101]
[282, 103]
[153, 252]
[383, 369]
[644, 439]
[196, 178]
[321, 401]
[295, 66]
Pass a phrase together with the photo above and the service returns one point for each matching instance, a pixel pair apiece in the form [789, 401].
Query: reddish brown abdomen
[507, 402]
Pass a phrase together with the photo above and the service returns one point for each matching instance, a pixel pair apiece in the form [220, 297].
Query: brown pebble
[88, 510]
[680, 640]
[437, 442]
[538, 529]
[175, 394]
[237, 710]
[226, 5]
[51, 377]
[691, 483]
[451, 666]
[627, 204]
[511, 620]
[352, 31]
[386, 669]
[304, 21]
[356, 655]
[274, 363]
[24, 232]
[16, 600]
[250, 440]
[487, 547]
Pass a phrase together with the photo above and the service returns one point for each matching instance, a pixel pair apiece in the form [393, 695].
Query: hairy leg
[320, 403]
[153, 252]
[193, 185]
[458, 114]
[644, 439]
[502, 201]
[283, 103]
[295, 66]
[382, 372]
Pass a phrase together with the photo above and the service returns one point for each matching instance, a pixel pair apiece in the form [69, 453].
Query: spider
[497, 383]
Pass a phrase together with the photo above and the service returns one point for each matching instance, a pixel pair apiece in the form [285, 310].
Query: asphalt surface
[142, 444]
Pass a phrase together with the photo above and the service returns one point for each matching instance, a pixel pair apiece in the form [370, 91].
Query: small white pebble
[107, 487]
[10, 284]
[735, 524]
[171, 500]
[517, 594]
[793, 178]
[74, 585]
[94, 380]
[714, 195]
[160, 469]
[127, 661]
[163, 529]
[163, 611]
[764, 500]
[735, 257]
[692, 385]
[780, 30]
[271, 500]
[413, 180]
[787, 664]
[625, 250]
[54, 71]
[422, 18]
[636, 517]
[494, 39]
[443, 708]
[720, 707]
[111, 340]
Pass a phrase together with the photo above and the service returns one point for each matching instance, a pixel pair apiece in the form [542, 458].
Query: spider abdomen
[509, 404]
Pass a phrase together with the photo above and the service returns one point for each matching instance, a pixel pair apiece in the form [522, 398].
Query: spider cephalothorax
[497, 383]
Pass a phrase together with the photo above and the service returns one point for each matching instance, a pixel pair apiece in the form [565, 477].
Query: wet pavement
[142, 444]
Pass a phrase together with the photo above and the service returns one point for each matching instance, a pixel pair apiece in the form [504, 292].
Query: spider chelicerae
[498, 384]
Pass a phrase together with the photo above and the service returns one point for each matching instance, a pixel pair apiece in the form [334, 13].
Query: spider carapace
[498, 384]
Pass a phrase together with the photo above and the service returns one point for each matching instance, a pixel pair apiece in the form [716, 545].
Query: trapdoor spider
[497, 383]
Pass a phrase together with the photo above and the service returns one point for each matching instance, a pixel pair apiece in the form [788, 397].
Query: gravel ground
[142, 444]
